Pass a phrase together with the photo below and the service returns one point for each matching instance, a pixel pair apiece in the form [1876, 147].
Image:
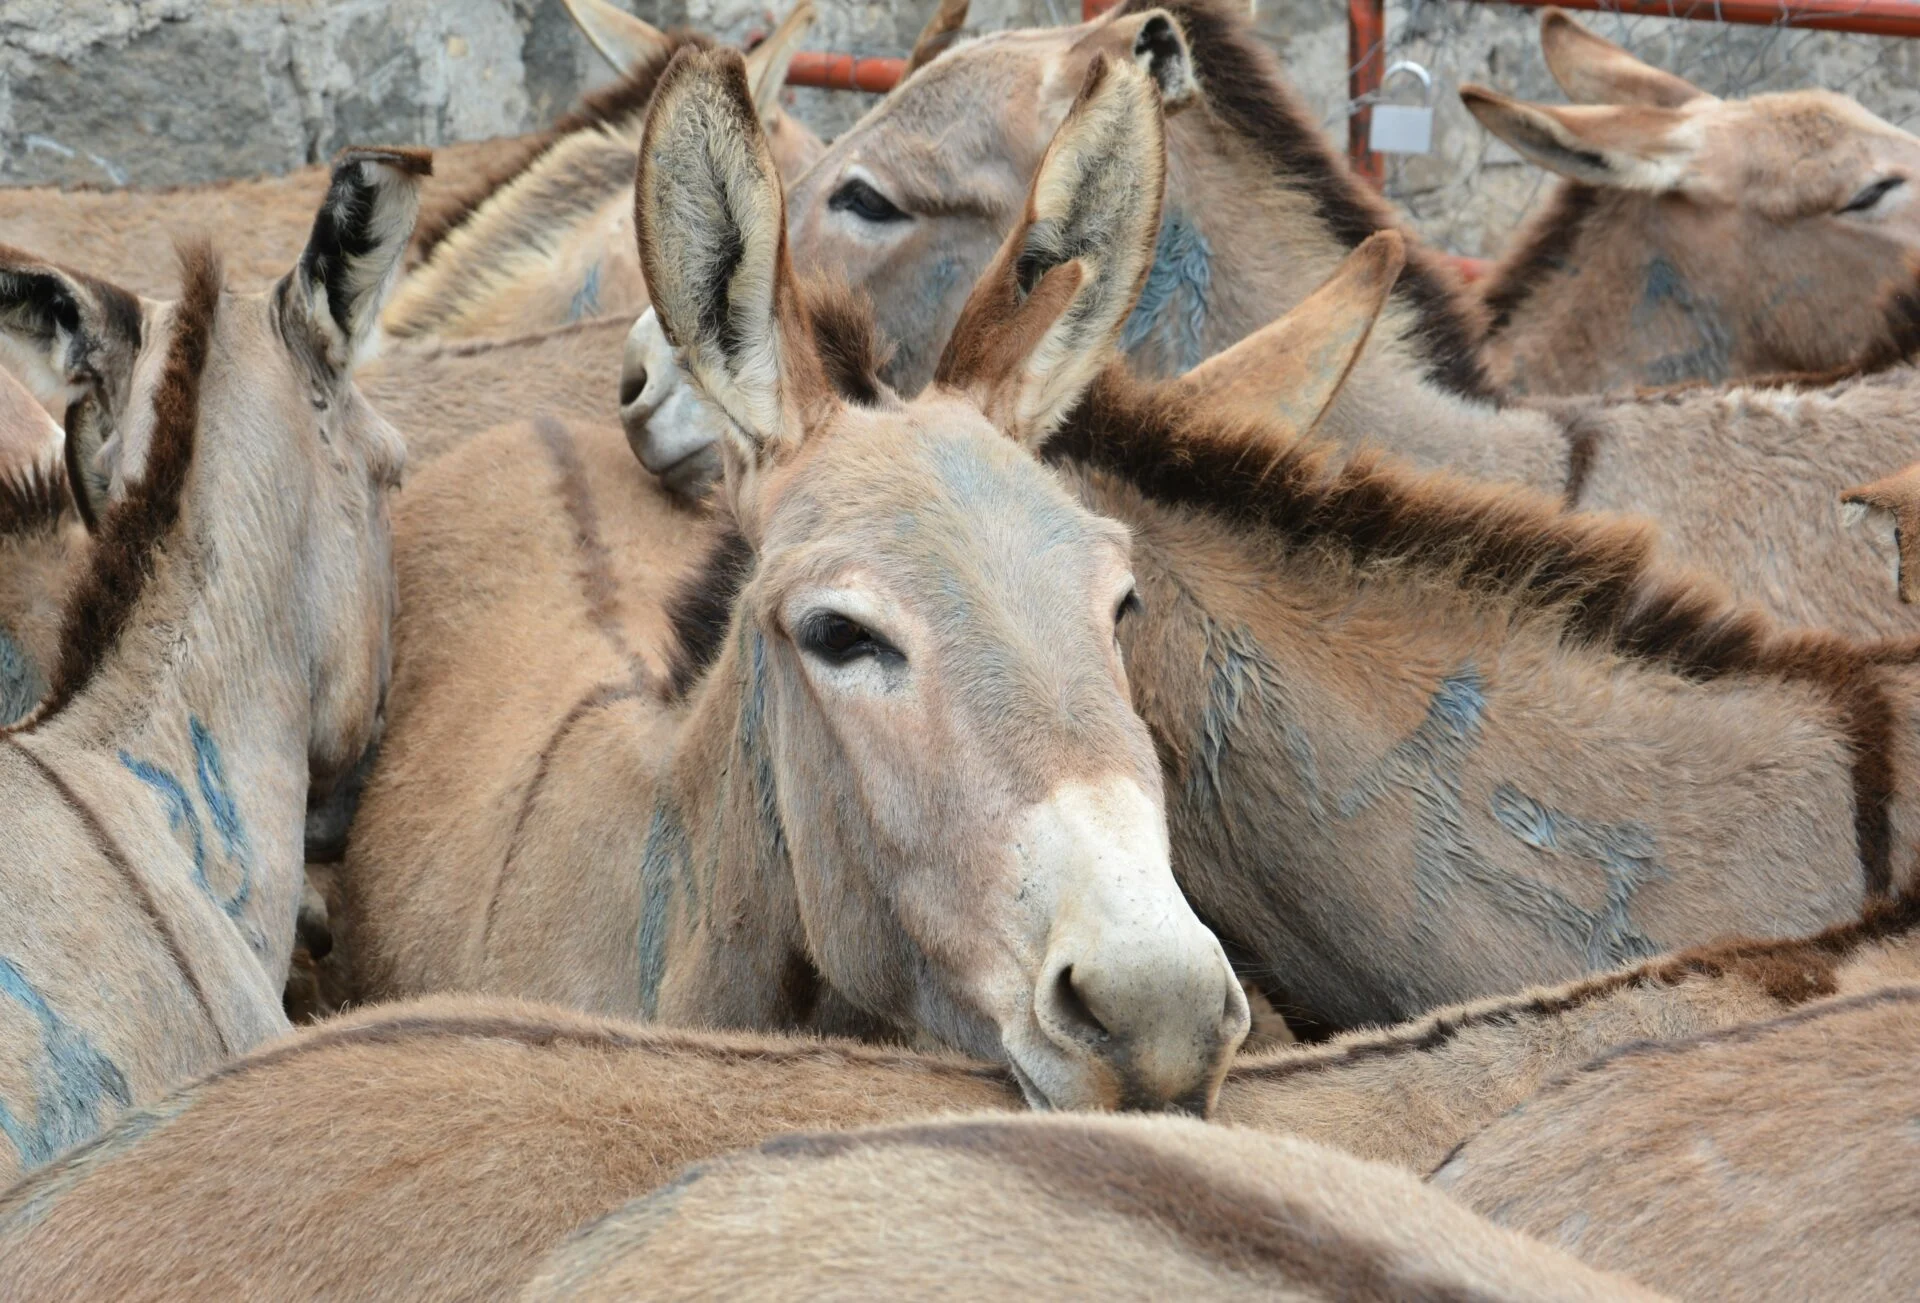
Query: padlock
[1403, 128]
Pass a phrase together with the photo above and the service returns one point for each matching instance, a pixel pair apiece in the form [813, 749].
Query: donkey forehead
[1784, 126]
[934, 492]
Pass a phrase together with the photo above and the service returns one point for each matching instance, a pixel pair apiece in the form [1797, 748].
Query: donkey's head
[255, 397]
[971, 809]
[1790, 220]
[914, 200]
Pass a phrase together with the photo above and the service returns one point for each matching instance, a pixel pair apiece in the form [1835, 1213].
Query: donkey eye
[1873, 194]
[1129, 605]
[863, 201]
[839, 641]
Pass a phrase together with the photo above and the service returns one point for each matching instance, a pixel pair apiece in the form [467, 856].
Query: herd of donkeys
[1037, 700]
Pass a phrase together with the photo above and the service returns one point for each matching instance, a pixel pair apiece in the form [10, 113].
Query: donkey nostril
[1071, 1008]
[633, 383]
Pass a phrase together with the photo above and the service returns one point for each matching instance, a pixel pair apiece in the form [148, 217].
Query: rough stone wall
[162, 92]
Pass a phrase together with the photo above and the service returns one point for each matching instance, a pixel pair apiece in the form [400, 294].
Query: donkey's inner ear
[354, 254]
[1042, 321]
[1633, 148]
[712, 228]
[1160, 50]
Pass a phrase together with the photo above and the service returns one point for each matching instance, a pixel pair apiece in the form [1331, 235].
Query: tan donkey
[552, 241]
[324, 1163]
[227, 643]
[1124, 1208]
[908, 789]
[1774, 1160]
[1695, 238]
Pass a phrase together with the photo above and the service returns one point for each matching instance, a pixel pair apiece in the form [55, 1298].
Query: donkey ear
[713, 245]
[33, 481]
[63, 333]
[1892, 505]
[1632, 148]
[353, 256]
[1155, 43]
[1041, 322]
[624, 41]
[767, 62]
[941, 31]
[1596, 71]
[1287, 373]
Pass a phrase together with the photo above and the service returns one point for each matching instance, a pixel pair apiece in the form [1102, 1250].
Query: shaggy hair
[32, 501]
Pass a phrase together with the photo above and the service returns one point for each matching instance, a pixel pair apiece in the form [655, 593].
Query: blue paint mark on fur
[663, 861]
[1174, 299]
[223, 811]
[586, 299]
[1665, 292]
[1429, 766]
[1626, 853]
[71, 1080]
[21, 686]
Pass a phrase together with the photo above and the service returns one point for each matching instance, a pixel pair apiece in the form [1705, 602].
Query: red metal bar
[872, 73]
[1868, 17]
[1366, 60]
[1092, 9]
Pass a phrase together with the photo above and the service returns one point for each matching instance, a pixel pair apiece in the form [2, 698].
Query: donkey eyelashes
[1873, 194]
[865, 202]
[838, 640]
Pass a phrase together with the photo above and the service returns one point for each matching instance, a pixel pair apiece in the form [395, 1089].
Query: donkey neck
[720, 940]
[204, 698]
[1596, 295]
[1244, 239]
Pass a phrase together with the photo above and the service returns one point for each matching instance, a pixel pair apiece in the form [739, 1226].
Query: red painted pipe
[1092, 9]
[875, 74]
[1868, 17]
[1366, 61]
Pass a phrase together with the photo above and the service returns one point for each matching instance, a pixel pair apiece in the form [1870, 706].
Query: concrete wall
[159, 92]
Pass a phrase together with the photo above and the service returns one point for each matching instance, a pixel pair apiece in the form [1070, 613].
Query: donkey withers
[226, 645]
[907, 786]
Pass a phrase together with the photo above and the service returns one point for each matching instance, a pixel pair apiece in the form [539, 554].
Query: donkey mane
[132, 529]
[32, 501]
[1791, 971]
[1594, 576]
[1244, 92]
[1538, 251]
[620, 105]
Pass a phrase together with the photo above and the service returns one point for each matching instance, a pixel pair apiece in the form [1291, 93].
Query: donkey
[1773, 1160]
[41, 545]
[1694, 238]
[265, 1178]
[908, 787]
[1741, 480]
[1126, 1208]
[552, 242]
[1894, 503]
[226, 645]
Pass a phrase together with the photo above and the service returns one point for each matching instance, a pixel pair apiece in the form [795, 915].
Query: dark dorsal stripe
[1791, 971]
[620, 105]
[33, 500]
[1246, 93]
[1540, 252]
[123, 553]
[1500, 541]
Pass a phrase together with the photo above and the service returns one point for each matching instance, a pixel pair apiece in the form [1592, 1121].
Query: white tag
[1401, 129]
